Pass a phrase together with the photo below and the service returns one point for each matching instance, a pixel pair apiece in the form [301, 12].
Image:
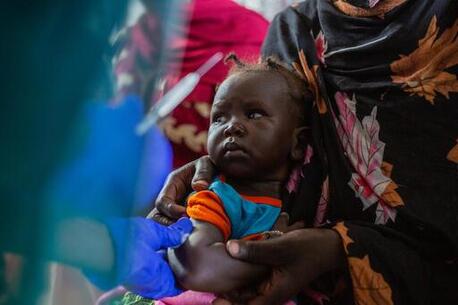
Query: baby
[257, 134]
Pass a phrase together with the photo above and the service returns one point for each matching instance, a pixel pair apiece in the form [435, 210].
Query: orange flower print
[310, 75]
[422, 72]
[453, 153]
[369, 286]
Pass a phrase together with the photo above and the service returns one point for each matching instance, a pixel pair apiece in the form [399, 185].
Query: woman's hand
[296, 258]
[196, 175]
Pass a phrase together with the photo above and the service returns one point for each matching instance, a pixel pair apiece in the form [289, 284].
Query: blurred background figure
[211, 27]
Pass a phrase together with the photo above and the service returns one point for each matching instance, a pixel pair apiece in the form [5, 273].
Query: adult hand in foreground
[196, 175]
[296, 258]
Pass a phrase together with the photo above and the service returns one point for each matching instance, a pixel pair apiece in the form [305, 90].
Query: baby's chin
[238, 170]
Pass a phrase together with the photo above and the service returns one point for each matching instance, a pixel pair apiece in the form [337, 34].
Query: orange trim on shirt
[207, 206]
[264, 200]
[255, 236]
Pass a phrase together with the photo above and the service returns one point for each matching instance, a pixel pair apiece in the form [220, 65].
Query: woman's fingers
[282, 222]
[160, 218]
[167, 208]
[205, 170]
[170, 200]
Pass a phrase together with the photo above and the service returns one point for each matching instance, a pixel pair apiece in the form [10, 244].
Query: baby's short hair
[297, 85]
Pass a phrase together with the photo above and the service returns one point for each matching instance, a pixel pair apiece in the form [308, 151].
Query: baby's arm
[202, 263]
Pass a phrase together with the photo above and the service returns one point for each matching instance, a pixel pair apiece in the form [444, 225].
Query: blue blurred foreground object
[63, 156]
[110, 171]
[140, 264]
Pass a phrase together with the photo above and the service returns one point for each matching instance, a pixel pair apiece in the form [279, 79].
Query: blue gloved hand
[141, 266]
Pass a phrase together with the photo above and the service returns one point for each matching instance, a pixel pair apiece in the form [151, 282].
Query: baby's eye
[255, 114]
[218, 118]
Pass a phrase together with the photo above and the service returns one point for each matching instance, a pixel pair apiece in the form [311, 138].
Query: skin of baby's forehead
[271, 83]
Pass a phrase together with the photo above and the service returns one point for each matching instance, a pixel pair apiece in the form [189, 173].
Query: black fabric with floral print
[383, 166]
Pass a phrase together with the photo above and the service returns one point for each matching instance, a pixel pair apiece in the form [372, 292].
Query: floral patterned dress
[383, 166]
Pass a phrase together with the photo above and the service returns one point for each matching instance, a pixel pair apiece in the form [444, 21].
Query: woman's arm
[203, 264]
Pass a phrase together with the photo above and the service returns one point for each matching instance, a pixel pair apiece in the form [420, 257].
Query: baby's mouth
[232, 148]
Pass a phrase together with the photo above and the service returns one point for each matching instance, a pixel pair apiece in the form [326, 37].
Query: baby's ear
[299, 143]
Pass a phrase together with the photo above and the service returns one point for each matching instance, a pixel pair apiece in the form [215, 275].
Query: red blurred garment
[214, 26]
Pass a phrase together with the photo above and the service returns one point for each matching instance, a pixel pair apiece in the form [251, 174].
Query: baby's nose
[235, 129]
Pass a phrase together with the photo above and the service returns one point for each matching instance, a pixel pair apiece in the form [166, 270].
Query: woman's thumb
[258, 252]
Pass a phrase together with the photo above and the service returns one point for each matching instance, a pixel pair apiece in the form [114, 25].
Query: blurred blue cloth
[110, 171]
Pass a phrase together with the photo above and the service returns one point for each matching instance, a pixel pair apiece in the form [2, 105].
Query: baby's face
[251, 126]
